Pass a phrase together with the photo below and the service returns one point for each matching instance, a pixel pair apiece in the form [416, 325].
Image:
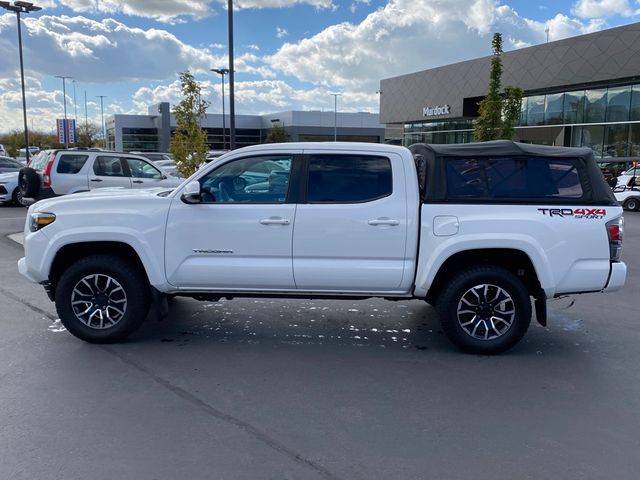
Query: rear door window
[337, 178]
[516, 178]
[108, 167]
[71, 163]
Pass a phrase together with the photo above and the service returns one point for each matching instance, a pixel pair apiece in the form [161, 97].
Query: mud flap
[540, 303]
[160, 304]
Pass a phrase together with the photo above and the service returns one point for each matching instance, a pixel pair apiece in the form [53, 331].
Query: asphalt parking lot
[269, 389]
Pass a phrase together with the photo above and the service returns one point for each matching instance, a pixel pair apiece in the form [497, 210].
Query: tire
[29, 182]
[631, 204]
[16, 197]
[118, 306]
[507, 311]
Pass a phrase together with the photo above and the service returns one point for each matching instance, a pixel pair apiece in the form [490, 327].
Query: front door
[236, 238]
[351, 233]
[143, 174]
[108, 171]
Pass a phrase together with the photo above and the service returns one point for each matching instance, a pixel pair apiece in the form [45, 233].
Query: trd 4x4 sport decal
[592, 213]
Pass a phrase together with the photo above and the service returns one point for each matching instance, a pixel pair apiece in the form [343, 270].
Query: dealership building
[581, 91]
[152, 132]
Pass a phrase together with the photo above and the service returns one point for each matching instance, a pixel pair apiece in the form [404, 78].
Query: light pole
[222, 72]
[64, 94]
[18, 8]
[75, 105]
[104, 132]
[335, 115]
[232, 106]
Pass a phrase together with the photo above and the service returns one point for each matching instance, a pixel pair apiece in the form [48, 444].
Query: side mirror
[191, 193]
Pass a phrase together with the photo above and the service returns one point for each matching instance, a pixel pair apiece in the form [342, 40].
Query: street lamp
[232, 103]
[18, 8]
[335, 115]
[104, 132]
[222, 72]
[64, 94]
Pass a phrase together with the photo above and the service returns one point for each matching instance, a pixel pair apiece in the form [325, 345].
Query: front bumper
[24, 271]
[617, 277]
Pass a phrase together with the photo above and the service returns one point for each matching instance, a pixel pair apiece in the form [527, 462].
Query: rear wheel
[485, 310]
[632, 204]
[102, 298]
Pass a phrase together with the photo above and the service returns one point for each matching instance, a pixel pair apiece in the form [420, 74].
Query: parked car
[629, 197]
[3, 151]
[8, 164]
[213, 154]
[61, 172]
[477, 230]
[154, 156]
[9, 191]
[627, 179]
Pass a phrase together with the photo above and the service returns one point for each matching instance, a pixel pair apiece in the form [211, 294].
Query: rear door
[69, 174]
[351, 231]
[108, 171]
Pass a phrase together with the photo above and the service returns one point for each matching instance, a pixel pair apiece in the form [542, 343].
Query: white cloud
[406, 36]
[601, 8]
[281, 32]
[102, 51]
[244, 4]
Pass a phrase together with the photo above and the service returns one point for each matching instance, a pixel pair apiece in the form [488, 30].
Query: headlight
[40, 220]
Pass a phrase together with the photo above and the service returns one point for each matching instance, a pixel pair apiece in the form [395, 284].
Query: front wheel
[102, 298]
[485, 310]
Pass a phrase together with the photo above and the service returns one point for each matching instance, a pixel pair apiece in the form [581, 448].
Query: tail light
[46, 173]
[615, 232]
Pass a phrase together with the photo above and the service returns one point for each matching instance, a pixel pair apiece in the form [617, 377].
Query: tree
[88, 134]
[189, 142]
[277, 134]
[499, 112]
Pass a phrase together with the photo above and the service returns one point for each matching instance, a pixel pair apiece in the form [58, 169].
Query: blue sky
[289, 53]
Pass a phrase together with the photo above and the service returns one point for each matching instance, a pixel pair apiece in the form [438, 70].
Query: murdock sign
[435, 111]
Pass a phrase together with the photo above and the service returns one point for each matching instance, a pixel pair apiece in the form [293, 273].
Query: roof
[503, 148]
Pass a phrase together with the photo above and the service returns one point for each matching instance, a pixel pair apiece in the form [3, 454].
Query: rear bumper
[617, 277]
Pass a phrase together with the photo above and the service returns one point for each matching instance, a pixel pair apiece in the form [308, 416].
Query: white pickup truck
[476, 230]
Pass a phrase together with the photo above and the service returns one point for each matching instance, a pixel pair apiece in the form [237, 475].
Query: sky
[289, 54]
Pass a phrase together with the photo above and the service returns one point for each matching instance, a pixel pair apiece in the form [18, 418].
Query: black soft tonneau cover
[597, 191]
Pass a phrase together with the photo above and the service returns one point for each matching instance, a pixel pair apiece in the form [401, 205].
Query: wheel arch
[70, 253]
[514, 260]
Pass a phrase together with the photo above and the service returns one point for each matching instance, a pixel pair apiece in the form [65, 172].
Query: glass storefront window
[592, 137]
[523, 111]
[574, 107]
[535, 110]
[618, 103]
[634, 140]
[553, 109]
[616, 141]
[596, 103]
[635, 103]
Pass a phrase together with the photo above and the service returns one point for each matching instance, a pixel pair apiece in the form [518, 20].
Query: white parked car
[9, 191]
[625, 177]
[61, 172]
[3, 151]
[628, 197]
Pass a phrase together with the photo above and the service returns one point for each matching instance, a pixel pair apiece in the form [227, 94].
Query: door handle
[384, 221]
[137, 181]
[96, 180]
[275, 221]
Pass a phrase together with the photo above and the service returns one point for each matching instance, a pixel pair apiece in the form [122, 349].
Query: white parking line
[17, 237]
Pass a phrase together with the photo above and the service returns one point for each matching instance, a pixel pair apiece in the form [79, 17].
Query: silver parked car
[61, 172]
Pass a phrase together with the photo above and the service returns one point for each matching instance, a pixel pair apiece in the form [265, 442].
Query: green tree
[498, 111]
[88, 134]
[277, 134]
[189, 142]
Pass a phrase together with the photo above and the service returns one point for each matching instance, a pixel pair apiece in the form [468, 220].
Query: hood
[113, 194]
